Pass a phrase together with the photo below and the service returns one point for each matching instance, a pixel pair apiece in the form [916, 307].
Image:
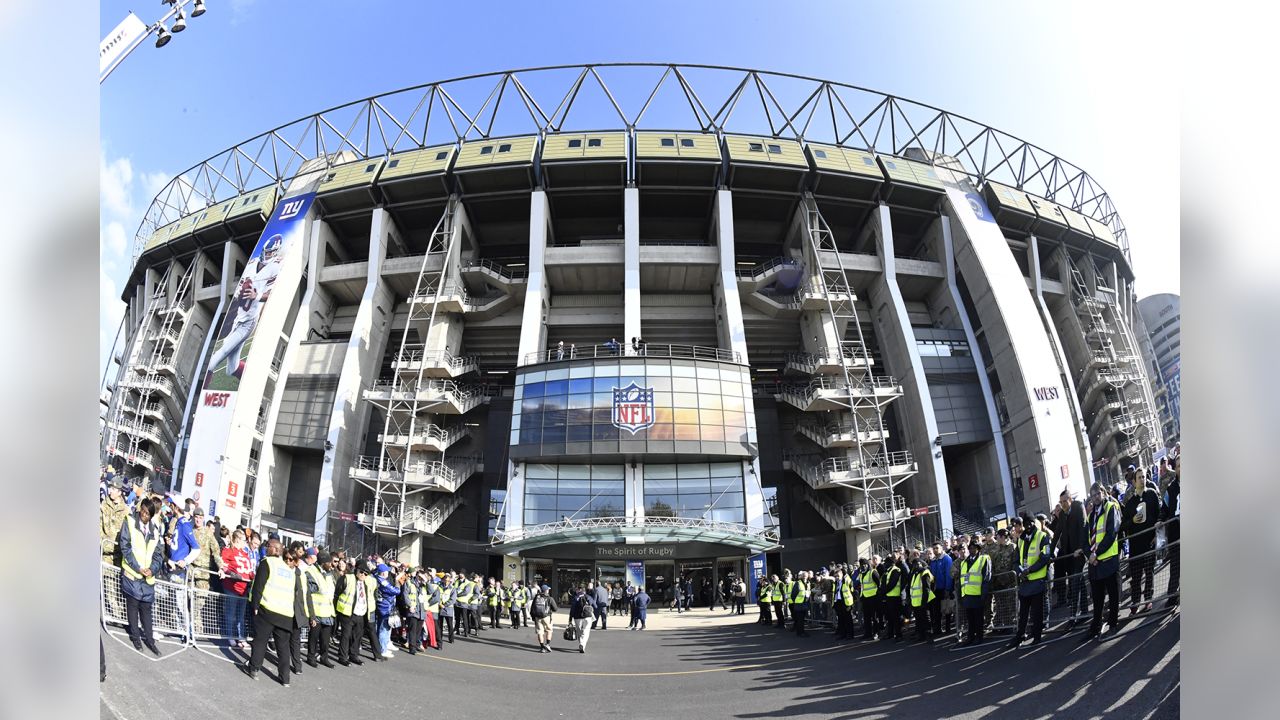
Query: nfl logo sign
[633, 408]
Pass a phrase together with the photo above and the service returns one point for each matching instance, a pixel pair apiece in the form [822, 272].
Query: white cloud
[114, 240]
[116, 183]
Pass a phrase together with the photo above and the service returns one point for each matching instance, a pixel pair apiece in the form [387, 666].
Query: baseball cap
[1131, 468]
[198, 511]
[313, 551]
[382, 567]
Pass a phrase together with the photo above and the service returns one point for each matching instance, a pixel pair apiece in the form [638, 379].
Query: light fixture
[180, 23]
[162, 36]
[198, 10]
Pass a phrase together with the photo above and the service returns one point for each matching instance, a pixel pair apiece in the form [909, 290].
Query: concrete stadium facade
[841, 341]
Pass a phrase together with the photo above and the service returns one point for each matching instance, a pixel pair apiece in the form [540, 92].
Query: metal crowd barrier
[170, 614]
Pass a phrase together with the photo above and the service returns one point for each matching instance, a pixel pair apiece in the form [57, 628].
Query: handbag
[393, 621]
[571, 633]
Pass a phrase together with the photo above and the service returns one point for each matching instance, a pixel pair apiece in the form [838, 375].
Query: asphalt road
[720, 669]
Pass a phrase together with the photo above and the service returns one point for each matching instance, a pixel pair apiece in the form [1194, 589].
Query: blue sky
[1089, 82]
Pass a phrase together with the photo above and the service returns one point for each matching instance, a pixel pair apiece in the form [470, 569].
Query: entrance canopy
[636, 531]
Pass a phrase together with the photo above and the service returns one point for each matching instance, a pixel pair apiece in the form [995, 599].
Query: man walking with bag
[581, 613]
[541, 608]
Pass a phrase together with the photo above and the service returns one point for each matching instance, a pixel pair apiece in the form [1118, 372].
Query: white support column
[349, 417]
[537, 298]
[997, 436]
[515, 496]
[198, 370]
[634, 488]
[1064, 366]
[729, 322]
[890, 313]
[631, 265]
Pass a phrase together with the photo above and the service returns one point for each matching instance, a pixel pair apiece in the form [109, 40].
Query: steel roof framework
[501, 103]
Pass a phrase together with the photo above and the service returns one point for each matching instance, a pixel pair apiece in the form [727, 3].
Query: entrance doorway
[657, 582]
[612, 575]
[699, 571]
[538, 572]
[569, 576]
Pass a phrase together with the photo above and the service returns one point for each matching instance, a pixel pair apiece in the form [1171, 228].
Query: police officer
[921, 593]
[798, 597]
[764, 597]
[322, 588]
[869, 588]
[304, 614]
[448, 610]
[271, 600]
[1104, 559]
[1033, 570]
[891, 582]
[780, 589]
[975, 584]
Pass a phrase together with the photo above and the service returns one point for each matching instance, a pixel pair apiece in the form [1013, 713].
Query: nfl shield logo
[633, 408]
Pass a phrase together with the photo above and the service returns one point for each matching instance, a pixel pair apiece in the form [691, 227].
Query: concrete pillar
[898, 343]
[515, 496]
[1002, 455]
[631, 265]
[537, 298]
[857, 544]
[349, 418]
[1079, 486]
[729, 325]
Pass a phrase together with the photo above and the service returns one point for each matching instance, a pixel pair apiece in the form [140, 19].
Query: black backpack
[541, 607]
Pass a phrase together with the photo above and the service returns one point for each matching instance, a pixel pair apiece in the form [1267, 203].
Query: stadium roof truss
[642, 96]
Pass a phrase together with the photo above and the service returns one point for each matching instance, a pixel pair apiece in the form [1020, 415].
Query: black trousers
[976, 624]
[1142, 577]
[870, 616]
[922, 621]
[443, 622]
[798, 614]
[844, 620]
[1108, 587]
[893, 616]
[295, 649]
[766, 616]
[284, 643]
[495, 616]
[1077, 585]
[603, 618]
[935, 614]
[138, 614]
[318, 643]
[355, 627]
[1175, 570]
[740, 603]
[780, 612]
[473, 620]
[413, 634]
[516, 615]
[1032, 605]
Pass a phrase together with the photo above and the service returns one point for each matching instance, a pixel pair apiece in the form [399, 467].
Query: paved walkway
[704, 664]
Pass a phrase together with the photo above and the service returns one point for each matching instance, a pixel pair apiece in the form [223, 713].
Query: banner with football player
[278, 253]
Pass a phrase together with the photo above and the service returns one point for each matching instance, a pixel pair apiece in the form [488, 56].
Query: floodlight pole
[176, 8]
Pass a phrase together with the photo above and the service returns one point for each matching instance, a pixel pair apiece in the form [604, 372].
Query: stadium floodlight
[180, 24]
[162, 35]
[198, 10]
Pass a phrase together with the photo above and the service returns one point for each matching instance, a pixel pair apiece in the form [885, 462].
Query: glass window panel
[735, 419]
[694, 501]
[608, 472]
[602, 399]
[738, 435]
[569, 504]
[632, 367]
[710, 417]
[533, 390]
[581, 385]
[684, 399]
[728, 499]
[711, 402]
[538, 484]
[606, 369]
[540, 470]
[556, 387]
[660, 369]
[531, 435]
[678, 370]
[713, 433]
[725, 469]
[602, 415]
[660, 486]
[658, 471]
[661, 398]
[683, 415]
[539, 502]
[515, 421]
[708, 373]
[558, 374]
[660, 383]
[578, 433]
[663, 415]
[556, 403]
[573, 473]
[532, 405]
[687, 432]
[726, 484]
[535, 376]
[605, 385]
[608, 506]
[554, 418]
[580, 401]
[626, 380]
[709, 386]
[607, 488]
[515, 437]
[727, 515]
[684, 385]
[691, 470]
[731, 388]
[540, 517]
[553, 433]
[581, 371]
[531, 420]
[694, 486]
[659, 506]
[664, 431]
[518, 394]
[734, 403]
[604, 432]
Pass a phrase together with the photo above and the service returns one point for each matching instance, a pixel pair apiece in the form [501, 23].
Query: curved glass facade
[712, 491]
[559, 492]
[633, 406]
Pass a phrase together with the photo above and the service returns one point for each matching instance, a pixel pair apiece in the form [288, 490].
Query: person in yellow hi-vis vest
[321, 586]
[920, 591]
[1033, 572]
[975, 585]
[141, 557]
[273, 602]
[843, 598]
[1104, 559]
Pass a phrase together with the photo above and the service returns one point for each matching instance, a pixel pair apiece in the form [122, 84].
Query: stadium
[629, 321]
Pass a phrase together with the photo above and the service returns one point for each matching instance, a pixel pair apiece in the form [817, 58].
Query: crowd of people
[271, 592]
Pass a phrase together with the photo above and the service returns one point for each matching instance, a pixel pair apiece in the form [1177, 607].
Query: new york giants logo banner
[633, 408]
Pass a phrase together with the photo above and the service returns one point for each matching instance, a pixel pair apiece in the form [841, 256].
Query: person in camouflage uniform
[1004, 561]
[112, 513]
[207, 563]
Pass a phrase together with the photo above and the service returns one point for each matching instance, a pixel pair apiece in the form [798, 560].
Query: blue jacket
[941, 569]
[139, 589]
[387, 593]
[641, 600]
[184, 545]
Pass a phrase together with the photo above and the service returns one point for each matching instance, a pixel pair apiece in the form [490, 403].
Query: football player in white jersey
[255, 288]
